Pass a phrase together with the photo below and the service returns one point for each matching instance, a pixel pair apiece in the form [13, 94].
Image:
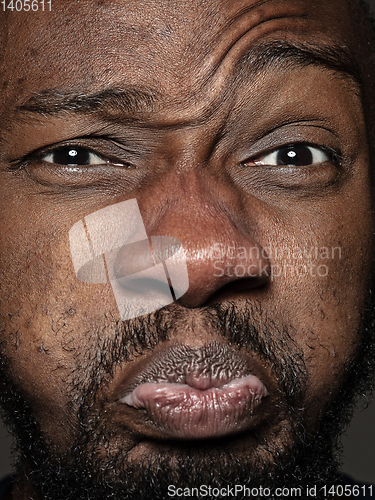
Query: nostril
[144, 287]
[243, 284]
[238, 286]
[229, 291]
[226, 273]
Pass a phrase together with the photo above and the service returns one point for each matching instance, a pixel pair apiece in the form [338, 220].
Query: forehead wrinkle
[122, 104]
[278, 56]
[213, 82]
[230, 62]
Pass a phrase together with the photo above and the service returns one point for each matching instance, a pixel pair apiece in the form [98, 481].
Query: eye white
[73, 157]
[295, 156]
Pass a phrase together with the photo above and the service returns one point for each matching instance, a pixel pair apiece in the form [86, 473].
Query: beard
[287, 454]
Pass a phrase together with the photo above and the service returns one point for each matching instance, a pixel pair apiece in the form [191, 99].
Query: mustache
[242, 324]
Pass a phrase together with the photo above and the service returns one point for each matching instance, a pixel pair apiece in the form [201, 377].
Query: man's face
[238, 129]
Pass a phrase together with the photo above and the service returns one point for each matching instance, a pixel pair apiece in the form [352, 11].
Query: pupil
[295, 155]
[71, 156]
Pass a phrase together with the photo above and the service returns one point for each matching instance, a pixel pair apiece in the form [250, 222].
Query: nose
[223, 256]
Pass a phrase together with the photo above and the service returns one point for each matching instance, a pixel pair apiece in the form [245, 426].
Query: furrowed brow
[121, 104]
[283, 55]
[111, 103]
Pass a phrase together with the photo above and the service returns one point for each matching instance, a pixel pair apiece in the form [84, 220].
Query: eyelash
[74, 151]
[290, 150]
[41, 156]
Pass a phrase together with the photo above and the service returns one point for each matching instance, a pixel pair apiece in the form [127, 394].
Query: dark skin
[192, 155]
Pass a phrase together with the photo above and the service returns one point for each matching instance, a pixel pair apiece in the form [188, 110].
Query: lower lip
[183, 412]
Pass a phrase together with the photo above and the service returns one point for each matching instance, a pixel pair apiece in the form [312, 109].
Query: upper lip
[211, 365]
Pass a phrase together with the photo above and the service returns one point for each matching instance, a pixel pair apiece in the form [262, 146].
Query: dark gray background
[358, 442]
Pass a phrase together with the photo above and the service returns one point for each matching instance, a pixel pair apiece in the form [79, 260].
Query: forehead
[180, 49]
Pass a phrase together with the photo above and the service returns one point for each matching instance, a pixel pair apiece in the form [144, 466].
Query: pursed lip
[194, 393]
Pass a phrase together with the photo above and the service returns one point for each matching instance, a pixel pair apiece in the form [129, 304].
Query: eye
[297, 155]
[73, 156]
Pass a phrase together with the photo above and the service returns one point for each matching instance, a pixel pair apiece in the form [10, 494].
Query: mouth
[195, 393]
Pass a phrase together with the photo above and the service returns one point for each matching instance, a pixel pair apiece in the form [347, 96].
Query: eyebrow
[283, 55]
[109, 102]
[125, 102]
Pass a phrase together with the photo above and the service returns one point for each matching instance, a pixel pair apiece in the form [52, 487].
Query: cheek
[39, 286]
[322, 290]
[46, 316]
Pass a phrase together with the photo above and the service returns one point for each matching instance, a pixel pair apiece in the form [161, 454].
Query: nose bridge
[198, 208]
